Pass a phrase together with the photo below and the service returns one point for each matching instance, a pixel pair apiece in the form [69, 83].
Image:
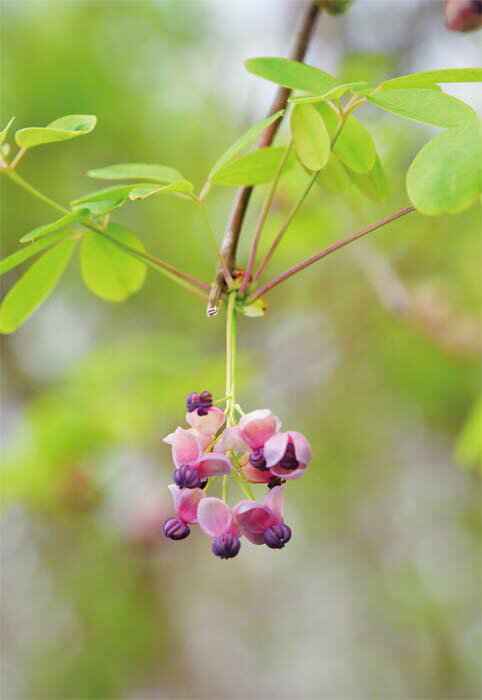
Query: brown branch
[240, 205]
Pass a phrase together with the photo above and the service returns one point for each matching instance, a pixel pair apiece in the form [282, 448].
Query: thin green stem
[225, 487]
[15, 177]
[212, 238]
[20, 154]
[242, 486]
[262, 219]
[231, 358]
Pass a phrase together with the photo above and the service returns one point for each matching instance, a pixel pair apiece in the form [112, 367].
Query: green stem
[231, 357]
[227, 275]
[15, 177]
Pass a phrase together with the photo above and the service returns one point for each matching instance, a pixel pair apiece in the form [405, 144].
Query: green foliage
[374, 183]
[106, 269]
[422, 105]
[102, 201]
[4, 132]
[468, 448]
[334, 177]
[335, 7]
[136, 171]
[176, 187]
[310, 136]
[253, 168]
[354, 145]
[446, 176]
[243, 142]
[63, 222]
[445, 75]
[29, 251]
[291, 74]
[34, 286]
[333, 94]
[61, 129]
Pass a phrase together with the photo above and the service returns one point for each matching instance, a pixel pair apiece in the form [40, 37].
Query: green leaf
[334, 93]
[102, 201]
[62, 129]
[63, 222]
[334, 177]
[34, 286]
[243, 142]
[354, 145]
[445, 75]
[468, 447]
[310, 136]
[374, 183]
[254, 168]
[4, 132]
[29, 251]
[446, 175]
[291, 74]
[143, 191]
[107, 270]
[422, 105]
[136, 171]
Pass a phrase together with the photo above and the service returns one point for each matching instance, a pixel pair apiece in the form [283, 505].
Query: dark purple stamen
[175, 529]
[199, 402]
[257, 460]
[275, 481]
[277, 536]
[289, 461]
[226, 546]
[187, 477]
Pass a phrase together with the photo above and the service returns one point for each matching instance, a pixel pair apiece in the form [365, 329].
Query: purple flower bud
[200, 402]
[187, 477]
[226, 546]
[257, 460]
[175, 529]
[277, 536]
[289, 461]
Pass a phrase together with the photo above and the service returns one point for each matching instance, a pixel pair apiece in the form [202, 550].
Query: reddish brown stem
[331, 249]
[238, 212]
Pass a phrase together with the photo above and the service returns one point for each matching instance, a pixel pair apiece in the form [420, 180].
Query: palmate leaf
[62, 129]
[446, 175]
[253, 168]
[243, 142]
[291, 74]
[354, 145]
[444, 75]
[70, 218]
[136, 171]
[310, 136]
[34, 286]
[29, 251]
[107, 270]
[426, 106]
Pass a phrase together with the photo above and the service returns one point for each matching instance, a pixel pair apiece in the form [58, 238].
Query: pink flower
[209, 422]
[215, 518]
[186, 502]
[262, 523]
[257, 427]
[192, 465]
[287, 454]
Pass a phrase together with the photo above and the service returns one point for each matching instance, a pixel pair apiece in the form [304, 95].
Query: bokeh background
[373, 353]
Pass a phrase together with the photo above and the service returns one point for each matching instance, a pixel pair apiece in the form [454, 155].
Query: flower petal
[289, 474]
[274, 501]
[231, 440]
[214, 463]
[186, 448]
[186, 502]
[252, 517]
[258, 426]
[256, 476]
[275, 448]
[302, 447]
[214, 516]
[208, 424]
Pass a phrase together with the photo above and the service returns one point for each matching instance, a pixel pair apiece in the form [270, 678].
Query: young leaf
[107, 270]
[64, 221]
[4, 132]
[254, 168]
[334, 93]
[422, 105]
[445, 75]
[334, 177]
[446, 175]
[34, 286]
[354, 145]
[62, 129]
[136, 171]
[310, 136]
[29, 251]
[243, 142]
[291, 74]
[102, 201]
[374, 183]
[143, 191]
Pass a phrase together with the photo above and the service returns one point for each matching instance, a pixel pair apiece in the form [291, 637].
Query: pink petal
[231, 440]
[274, 501]
[258, 426]
[214, 463]
[289, 474]
[256, 476]
[214, 516]
[302, 447]
[252, 517]
[186, 448]
[254, 537]
[208, 424]
[186, 502]
[275, 448]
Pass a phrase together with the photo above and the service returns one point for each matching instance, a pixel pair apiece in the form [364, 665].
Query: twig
[235, 222]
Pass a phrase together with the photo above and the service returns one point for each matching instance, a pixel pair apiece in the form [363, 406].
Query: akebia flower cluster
[254, 451]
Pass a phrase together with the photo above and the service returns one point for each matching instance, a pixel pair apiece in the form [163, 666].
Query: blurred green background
[373, 354]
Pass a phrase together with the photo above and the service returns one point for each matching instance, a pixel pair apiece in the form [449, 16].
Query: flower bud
[277, 536]
[187, 477]
[335, 7]
[463, 15]
[226, 546]
[257, 460]
[199, 402]
[175, 529]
